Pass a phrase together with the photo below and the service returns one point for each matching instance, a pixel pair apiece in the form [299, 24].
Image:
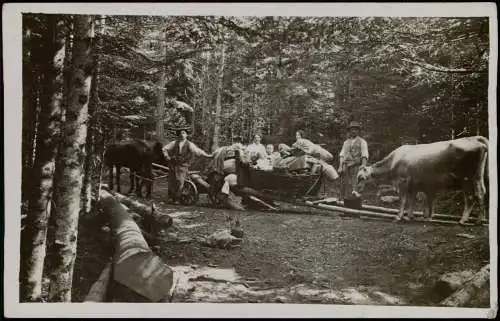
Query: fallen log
[159, 219]
[135, 265]
[98, 290]
[470, 289]
[133, 204]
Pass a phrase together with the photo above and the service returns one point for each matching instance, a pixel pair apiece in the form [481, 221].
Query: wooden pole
[416, 213]
[340, 209]
[356, 212]
[393, 210]
[165, 168]
[352, 211]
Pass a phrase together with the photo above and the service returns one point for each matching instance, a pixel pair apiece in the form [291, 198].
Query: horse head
[158, 155]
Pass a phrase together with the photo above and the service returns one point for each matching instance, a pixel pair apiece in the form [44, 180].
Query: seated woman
[304, 154]
[305, 146]
[255, 149]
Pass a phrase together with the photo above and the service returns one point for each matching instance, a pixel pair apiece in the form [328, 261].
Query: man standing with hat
[180, 152]
[353, 155]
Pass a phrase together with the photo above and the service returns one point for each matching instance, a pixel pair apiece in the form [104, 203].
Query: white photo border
[12, 62]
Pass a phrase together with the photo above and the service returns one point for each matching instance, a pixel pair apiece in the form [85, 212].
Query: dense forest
[92, 80]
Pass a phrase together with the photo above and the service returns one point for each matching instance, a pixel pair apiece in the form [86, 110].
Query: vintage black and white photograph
[199, 157]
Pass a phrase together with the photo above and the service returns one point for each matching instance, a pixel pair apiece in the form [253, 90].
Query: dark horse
[138, 156]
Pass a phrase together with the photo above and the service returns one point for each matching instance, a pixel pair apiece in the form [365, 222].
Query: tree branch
[231, 25]
[177, 56]
[444, 69]
[187, 54]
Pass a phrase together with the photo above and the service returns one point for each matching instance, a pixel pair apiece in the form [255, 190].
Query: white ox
[453, 165]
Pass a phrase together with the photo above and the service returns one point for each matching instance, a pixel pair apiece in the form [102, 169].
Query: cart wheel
[189, 195]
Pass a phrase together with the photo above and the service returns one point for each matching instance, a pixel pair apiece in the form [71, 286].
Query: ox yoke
[440, 164]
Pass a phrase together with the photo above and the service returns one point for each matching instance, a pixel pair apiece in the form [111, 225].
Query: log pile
[366, 211]
[336, 202]
[372, 214]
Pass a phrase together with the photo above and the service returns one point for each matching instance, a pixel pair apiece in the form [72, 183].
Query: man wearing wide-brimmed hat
[180, 152]
[353, 155]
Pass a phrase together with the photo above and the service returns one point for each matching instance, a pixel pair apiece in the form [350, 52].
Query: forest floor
[339, 260]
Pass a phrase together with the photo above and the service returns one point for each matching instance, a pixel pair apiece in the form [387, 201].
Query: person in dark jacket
[179, 153]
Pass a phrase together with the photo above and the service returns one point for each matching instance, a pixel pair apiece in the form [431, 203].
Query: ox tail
[484, 160]
[483, 169]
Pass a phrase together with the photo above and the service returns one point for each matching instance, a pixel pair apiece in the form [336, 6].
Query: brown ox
[454, 165]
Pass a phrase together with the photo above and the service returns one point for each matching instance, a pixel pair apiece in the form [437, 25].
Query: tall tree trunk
[160, 99]
[64, 106]
[206, 106]
[477, 115]
[71, 157]
[218, 102]
[29, 114]
[90, 156]
[252, 129]
[37, 83]
[33, 240]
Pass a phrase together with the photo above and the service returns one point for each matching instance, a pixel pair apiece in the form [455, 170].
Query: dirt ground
[317, 249]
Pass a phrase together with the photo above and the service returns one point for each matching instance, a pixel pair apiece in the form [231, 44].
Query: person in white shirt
[179, 153]
[255, 149]
[271, 154]
[353, 155]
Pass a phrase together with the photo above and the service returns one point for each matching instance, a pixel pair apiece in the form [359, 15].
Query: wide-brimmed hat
[179, 129]
[354, 124]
